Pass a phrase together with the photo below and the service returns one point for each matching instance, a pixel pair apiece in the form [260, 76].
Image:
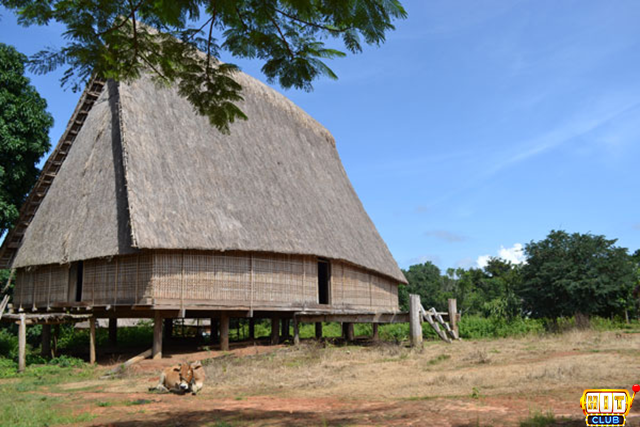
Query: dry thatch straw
[147, 172]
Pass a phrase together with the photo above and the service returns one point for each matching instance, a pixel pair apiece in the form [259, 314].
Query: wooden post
[92, 340]
[252, 329]
[348, 331]
[375, 336]
[296, 332]
[45, 350]
[453, 315]
[415, 321]
[168, 329]
[285, 330]
[157, 335]
[319, 330]
[56, 338]
[224, 332]
[274, 331]
[215, 330]
[22, 343]
[113, 331]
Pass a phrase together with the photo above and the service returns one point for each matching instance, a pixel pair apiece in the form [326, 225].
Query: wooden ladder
[433, 318]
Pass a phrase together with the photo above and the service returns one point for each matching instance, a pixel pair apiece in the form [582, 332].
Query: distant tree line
[564, 275]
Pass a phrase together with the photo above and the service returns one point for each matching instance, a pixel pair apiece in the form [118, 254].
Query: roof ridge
[115, 103]
[13, 239]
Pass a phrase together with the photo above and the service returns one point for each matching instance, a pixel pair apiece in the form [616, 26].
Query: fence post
[22, 343]
[415, 321]
[453, 315]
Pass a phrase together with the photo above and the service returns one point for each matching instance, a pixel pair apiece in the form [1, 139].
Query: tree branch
[283, 37]
[311, 24]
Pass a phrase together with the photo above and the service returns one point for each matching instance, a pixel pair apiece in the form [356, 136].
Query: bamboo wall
[187, 279]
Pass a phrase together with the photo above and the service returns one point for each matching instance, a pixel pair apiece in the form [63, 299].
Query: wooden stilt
[319, 330]
[348, 331]
[375, 336]
[56, 338]
[296, 332]
[285, 330]
[157, 336]
[224, 332]
[113, 331]
[22, 343]
[92, 340]
[252, 329]
[415, 321]
[215, 330]
[45, 349]
[168, 329]
[275, 339]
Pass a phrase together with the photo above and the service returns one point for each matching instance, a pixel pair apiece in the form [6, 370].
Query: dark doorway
[323, 282]
[79, 282]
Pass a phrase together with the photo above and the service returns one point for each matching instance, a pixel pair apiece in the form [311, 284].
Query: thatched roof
[146, 172]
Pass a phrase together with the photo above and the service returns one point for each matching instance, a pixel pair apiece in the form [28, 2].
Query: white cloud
[514, 254]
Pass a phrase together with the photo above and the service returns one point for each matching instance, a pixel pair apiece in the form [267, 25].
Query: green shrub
[8, 344]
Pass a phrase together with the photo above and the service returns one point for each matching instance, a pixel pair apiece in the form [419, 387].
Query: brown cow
[198, 377]
[175, 379]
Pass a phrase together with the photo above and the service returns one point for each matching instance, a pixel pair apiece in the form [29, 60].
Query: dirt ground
[468, 383]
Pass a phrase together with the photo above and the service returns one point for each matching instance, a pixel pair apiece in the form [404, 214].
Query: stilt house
[144, 210]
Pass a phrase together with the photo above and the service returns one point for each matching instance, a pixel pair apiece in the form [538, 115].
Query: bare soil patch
[469, 383]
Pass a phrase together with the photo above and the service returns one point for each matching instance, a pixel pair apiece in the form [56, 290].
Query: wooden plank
[125, 365]
[354, 318]
[415, 321]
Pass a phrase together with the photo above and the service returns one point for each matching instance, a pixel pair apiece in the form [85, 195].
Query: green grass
[23, 404]
[539, 419]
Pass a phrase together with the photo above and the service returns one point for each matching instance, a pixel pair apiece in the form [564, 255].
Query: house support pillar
[275, 339]
[415, 321]
[92, 340]
[374, 333]
[319, 330]
[157, 336]
[22, 343]
[45, 349]
[296, 332]
[168, 329]
[348, 331]
[252, 329]
[215, 330]
[224, 332]
[113, 331]
[285, 330]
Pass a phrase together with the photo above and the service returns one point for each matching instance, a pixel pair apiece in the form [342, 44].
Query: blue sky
[479, 126]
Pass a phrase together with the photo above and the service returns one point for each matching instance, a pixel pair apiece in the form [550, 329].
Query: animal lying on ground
[175, 379]
[198, 377]
[181, 378]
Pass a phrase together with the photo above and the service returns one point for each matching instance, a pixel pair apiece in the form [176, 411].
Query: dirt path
[482, 383]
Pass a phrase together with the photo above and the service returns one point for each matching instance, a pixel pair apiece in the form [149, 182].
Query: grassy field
[536, 380]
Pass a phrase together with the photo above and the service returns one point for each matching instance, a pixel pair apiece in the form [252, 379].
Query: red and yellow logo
[607, 407]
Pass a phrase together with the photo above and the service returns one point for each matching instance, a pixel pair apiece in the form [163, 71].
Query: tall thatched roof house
[144, 205]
